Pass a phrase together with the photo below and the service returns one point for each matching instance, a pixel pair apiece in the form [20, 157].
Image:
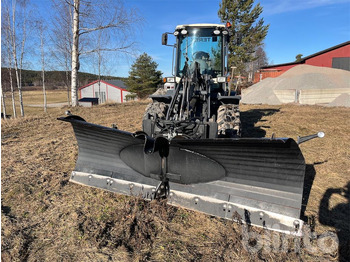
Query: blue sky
[296, 27]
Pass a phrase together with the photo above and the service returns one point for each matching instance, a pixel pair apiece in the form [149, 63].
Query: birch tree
[6, 58]
[14, 110]
[6, 61]
[17, 13]
[3, 98]
[42, 29]
[99, 64]
[3, 62]
[61, 37]
[117, 21]
[100, 58]
[3, 103]
[19, 47]
[75, 52]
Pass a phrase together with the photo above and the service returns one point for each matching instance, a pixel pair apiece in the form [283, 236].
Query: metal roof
[118, 83]
[115, 83]
[302, 61]
[326, 50]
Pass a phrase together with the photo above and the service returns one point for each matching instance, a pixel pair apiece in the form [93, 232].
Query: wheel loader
[190, 150]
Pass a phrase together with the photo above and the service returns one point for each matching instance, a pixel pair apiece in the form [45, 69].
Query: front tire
[229, 122]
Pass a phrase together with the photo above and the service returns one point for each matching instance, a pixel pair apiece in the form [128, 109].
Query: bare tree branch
[121, 49]
[115, 21]
[89, 30]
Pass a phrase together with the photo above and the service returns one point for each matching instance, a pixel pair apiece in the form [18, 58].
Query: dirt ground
[45, 217]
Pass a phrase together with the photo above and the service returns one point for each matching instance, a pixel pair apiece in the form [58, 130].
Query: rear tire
[229, 122]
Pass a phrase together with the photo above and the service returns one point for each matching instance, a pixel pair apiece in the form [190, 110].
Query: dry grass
[44, 217]
[35, 97]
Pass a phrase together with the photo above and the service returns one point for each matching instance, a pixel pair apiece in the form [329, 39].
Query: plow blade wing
[259, 181]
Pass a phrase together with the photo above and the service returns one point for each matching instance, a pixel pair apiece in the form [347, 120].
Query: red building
[335, 57]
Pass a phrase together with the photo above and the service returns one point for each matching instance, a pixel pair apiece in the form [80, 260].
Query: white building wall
[113, 94]
[125, 93]
[86, 92]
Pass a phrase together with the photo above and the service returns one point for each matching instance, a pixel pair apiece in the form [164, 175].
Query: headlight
[170, 80]
[217, 32]
[221, 79]
[224, 32]
[184, 31]
[176, 33]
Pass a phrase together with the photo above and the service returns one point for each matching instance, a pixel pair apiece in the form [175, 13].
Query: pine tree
[298, 57]
[246, 32]
[144, 77]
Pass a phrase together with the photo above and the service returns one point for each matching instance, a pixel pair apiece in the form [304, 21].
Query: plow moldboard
[261, 180]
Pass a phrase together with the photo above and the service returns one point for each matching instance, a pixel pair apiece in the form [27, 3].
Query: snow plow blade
[257, 180]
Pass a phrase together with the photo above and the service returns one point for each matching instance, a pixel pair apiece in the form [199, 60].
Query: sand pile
[302, 84]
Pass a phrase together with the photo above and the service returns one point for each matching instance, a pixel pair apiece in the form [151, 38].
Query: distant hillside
[53, 79]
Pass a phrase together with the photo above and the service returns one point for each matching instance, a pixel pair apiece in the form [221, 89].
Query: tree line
[78, 32]
[32, 79]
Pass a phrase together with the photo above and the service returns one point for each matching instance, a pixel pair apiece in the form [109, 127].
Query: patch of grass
[35, 97]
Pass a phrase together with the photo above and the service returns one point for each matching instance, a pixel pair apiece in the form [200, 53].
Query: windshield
[202, 46]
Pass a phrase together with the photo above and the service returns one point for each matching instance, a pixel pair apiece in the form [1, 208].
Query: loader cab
[201, 45]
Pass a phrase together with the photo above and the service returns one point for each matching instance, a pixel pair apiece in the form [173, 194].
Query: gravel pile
[301, 77]
[342, 100]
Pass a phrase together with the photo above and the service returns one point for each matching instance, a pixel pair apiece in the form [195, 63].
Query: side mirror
[164, 39]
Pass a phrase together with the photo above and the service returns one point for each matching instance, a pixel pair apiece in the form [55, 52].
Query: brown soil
[44, 217]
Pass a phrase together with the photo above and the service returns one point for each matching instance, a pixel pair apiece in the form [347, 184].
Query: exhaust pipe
[302, 139]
